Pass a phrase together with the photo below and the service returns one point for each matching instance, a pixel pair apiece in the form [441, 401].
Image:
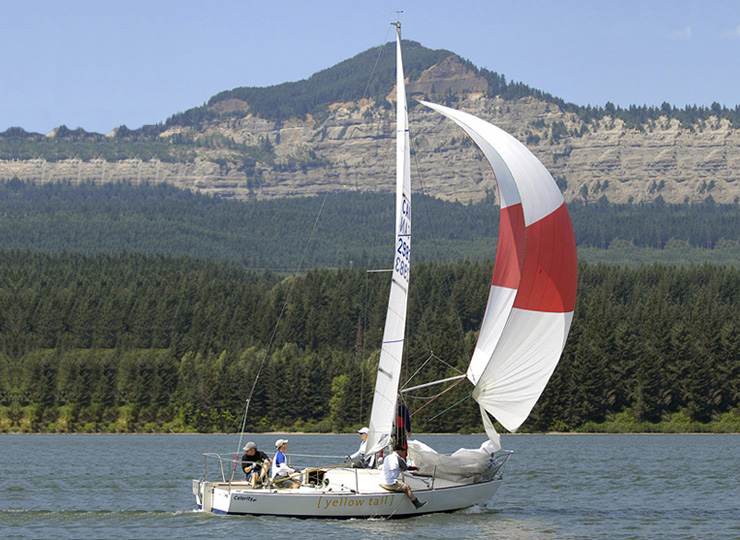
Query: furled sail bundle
[533, 290]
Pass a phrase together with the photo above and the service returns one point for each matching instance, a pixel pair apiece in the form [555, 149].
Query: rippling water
[556, 486]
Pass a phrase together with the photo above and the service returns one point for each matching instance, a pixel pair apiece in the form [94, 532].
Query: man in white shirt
[393, 466]
[364, 461]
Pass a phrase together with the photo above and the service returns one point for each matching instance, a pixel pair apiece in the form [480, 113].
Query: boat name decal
[244, 498]
[343, 502]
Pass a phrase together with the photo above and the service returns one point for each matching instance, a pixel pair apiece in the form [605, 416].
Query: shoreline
[291, 433]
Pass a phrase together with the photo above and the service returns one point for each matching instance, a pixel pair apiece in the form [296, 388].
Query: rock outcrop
[353, 149]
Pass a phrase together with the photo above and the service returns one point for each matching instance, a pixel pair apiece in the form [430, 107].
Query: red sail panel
[550, 274]
[510, 250]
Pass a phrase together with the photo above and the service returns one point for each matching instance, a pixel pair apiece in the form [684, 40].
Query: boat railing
[320, 456]
[499, 461]
[231, 462]
[230, 458]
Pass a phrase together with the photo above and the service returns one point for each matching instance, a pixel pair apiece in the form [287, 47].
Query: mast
[391, 354]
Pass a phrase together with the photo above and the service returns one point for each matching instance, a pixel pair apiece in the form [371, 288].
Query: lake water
[555, 486]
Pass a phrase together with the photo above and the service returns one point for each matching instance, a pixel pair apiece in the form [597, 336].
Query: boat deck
[344, 480]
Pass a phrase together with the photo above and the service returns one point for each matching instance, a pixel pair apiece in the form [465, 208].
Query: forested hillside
[334, 132]
[134, 342]
[354, 229]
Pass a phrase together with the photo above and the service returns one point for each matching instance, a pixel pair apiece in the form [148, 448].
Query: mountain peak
[450, 75]
[369, 74]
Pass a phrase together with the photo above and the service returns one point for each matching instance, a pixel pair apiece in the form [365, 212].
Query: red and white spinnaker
[533, 290]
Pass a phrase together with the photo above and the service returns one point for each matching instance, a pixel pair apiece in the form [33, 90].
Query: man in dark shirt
[255, 464]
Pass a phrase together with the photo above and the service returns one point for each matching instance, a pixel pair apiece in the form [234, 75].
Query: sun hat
[363, 430]
[280, 442]
[249, 446]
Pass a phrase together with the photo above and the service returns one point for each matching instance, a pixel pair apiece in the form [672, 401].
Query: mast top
[397, 24]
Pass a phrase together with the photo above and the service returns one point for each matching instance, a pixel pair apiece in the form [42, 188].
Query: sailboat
[523, 333]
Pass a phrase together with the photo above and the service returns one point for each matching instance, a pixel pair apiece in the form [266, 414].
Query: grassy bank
[679, 422]
[68, 420]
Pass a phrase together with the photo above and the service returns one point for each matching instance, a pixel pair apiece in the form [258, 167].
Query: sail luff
[391, 354]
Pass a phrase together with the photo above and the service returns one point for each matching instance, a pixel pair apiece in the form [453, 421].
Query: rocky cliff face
[353, 149]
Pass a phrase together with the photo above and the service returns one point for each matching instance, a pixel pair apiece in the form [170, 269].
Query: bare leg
[417, 503]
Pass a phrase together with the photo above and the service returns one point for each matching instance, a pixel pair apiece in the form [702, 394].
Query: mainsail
[389, 368]
[533, 291]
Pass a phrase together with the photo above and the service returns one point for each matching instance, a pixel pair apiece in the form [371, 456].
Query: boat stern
[203, 492]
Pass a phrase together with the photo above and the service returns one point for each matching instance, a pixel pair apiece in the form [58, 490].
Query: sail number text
[403, 249]
[402, 259]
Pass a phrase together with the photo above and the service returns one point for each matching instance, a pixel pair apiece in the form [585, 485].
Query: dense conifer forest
[353, 229]
[134, 342]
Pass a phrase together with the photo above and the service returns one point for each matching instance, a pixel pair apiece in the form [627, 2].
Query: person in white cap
[280, 470]
[254, 464]
[367, 461]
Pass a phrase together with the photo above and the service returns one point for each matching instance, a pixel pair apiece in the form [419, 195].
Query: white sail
[389, 368]
[533, 291]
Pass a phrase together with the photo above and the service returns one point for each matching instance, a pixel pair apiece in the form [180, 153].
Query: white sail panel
[500, 302]
[493, 435]
[511, 162]
[525, 358]
[383, 411]
[507, 189]
[460, 466]
[507, 274]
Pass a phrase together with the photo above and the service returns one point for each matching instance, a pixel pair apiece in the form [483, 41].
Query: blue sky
[98, 64]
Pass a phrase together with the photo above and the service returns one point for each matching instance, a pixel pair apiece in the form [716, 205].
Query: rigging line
[362, 353]
[449, 365]
[453, 385]
[370, 78]
[409, 396]
[431, 398]
[436, 248]
[448, 408]
[431, 357]
[274, 331]
[417, 371]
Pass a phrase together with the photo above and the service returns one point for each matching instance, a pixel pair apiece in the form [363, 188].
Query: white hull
[338, 497]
